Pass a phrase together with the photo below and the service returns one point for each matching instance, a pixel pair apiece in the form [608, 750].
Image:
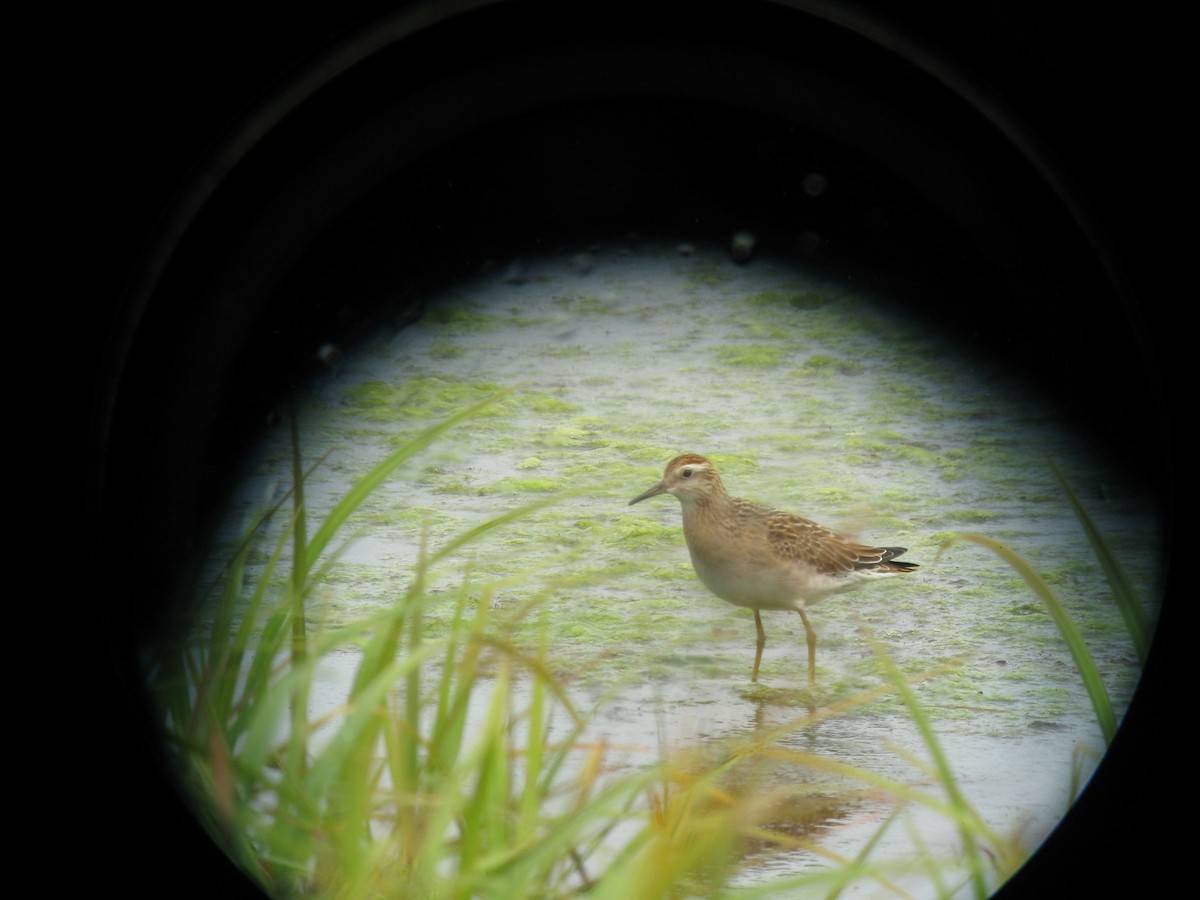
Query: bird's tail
[883, 559]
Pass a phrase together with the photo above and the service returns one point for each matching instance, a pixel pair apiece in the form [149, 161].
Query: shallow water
[1018, 781]
[810, 397]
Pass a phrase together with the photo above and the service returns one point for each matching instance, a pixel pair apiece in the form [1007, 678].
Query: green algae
[460, 317]
[704, 276]
[758, 355]
[798, 297]
[435, 396]
[525, 486]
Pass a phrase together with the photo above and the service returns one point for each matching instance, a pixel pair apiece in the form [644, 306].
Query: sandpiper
[761, 558]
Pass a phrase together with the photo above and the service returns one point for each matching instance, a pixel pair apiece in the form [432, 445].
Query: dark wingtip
[886, 559]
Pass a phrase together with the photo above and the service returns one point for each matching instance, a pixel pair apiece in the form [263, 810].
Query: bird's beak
[660, 488]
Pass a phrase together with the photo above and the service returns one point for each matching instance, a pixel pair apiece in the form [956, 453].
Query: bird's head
[689, 477]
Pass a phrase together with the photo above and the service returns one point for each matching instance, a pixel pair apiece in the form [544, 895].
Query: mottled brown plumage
[762, 558]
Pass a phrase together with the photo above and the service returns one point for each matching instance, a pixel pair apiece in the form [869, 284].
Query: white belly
[761, 582]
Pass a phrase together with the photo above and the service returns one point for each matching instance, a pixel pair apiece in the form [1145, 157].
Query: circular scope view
[436, 651]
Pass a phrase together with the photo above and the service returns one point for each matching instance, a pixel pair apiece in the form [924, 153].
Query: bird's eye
[686, 473]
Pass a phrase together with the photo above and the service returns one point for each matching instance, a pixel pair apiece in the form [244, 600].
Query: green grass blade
[505, 518]
[961, 810]
[366, 485]
[1084, 663]
[484, 825]
[299, 581]
[1137, 621]
[529, 809]
[448, 717]
[359, 729]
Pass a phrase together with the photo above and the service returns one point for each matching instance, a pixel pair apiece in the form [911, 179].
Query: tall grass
[458, 765]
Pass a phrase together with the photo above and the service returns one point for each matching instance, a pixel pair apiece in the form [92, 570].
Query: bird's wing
[807, 543]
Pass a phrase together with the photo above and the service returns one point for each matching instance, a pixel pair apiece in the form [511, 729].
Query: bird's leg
[762, 642]
[812, 647]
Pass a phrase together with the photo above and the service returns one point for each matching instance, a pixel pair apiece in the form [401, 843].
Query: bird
[761, 558]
